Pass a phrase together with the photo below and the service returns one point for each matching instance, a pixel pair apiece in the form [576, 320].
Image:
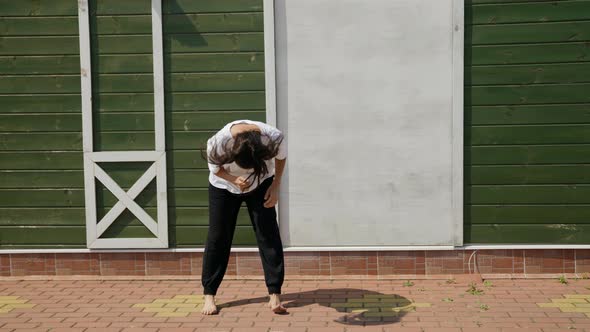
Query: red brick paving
[108, 305]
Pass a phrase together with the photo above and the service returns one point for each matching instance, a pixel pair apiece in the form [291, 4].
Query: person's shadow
[360, 307]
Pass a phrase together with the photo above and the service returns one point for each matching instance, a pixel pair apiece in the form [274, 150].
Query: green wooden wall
[527, 114]
[527, 121]
[214, 73]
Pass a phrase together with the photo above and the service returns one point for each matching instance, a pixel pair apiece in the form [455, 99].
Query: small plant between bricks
[473, 290]
[451, 281]
[408, 283]
[563, 280]
[484, 307]
[488, 283]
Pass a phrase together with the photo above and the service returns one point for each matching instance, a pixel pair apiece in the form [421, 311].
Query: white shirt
[225, 134]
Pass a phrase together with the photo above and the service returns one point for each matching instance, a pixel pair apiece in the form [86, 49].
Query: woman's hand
[241, 183]
[272, 195]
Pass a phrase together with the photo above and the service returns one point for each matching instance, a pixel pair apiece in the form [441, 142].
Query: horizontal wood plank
[134, 44]
[527, 214]
[546, 11]
[75, 198]
[75, 236]
[192, 101]
[550, 32]
[533, 234]
[534, 114]
[528, 194]
[182, 216]
[527, 155]
[175, 121]
[142, 83]
[110, 7]
[527, 94]
[136, 24]
[134, 63]
[528, 74]
[529, 174]
[521, 134]
[527, 53]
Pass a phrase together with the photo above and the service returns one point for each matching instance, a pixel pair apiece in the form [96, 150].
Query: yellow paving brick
[20, 305]
[578, 296]
[573, 300]
[179, 300]
[2, 298]
[582, 305]
[188, 297]
[188, 310]
[181, 305]
[575, 309]
[555, 305]
[395, 301]
[148, 305]
[159, 309]
[381, 296]
[11, 301]
[194, 301]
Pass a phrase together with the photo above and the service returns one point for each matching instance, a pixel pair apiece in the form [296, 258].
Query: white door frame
[93, 171]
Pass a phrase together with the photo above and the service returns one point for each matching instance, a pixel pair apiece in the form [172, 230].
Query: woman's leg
[223, 212]
[270, 247]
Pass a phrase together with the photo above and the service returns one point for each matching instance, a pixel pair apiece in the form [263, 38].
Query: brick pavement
[314, 305]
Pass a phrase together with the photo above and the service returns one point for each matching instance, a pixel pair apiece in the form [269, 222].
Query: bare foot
[275, 304]
[209, 307]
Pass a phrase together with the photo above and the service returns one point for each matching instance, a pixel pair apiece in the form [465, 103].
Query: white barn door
[92, 171]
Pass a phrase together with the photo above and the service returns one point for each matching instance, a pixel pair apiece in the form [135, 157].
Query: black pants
[223, 212]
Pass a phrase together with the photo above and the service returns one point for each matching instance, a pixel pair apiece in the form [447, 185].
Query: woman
[246, 161]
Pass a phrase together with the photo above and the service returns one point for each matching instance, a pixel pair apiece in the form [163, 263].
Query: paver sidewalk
[314, 305]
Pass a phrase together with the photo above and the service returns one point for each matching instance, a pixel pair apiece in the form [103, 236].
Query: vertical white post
[158, 60]
[85, 74]
[457, 121]
[269, 62]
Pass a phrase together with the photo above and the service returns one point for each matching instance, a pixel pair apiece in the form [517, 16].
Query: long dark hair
[248, 151]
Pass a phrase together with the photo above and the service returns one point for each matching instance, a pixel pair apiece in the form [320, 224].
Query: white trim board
[92, 170]
[309, 249]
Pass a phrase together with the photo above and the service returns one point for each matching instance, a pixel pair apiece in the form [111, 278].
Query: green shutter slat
[527, 33]
[541, 234]
[538, 174]
[75, 179]
[528, 194]
[527, 53]
[136, 24]
[527, 214]
[536, 114]
[528, 12]
[531, 94]
[129, 44]
[528, 74]
[193, 82]
[187, 101]
[177, 121]
[538, 134]
[134, 63]
[75, 198]
[529, 155]
[181, 216]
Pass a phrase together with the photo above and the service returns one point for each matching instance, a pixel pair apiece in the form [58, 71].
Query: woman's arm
[272, 194]
[237, 180]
